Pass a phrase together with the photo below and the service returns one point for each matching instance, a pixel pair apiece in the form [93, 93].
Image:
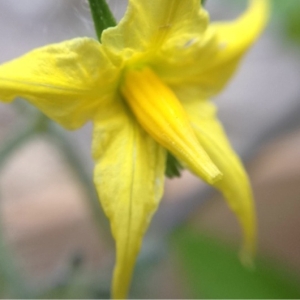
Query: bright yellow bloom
[145, 88]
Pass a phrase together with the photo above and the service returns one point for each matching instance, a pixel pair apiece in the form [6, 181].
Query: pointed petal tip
[120, 288]
[248, 251]
[247, 260]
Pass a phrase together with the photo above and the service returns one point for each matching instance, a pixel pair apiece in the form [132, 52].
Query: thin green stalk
[8, 147]
[42, 125]
[9, 273]
[102, 16]
[8, 270]
[79, 169]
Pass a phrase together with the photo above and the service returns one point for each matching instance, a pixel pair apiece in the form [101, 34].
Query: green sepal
[173, 166]
[102, 16]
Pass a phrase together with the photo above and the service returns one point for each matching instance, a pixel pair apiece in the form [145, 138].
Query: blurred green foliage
[211, 269]
[287, 14]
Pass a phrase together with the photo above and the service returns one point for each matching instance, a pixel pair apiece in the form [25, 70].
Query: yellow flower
[145, 88]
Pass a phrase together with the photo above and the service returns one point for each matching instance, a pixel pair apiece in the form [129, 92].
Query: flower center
[162, 116]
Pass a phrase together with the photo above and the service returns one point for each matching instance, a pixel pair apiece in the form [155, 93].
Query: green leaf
[212, 270]
[102, 16]
[288, 14]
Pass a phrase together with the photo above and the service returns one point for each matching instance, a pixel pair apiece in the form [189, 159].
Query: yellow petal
[148, 25]
[235, 184]
[160, 113]
[236, 37]
[65, 80]
[233, 40]
[209, 60]
[129, 177]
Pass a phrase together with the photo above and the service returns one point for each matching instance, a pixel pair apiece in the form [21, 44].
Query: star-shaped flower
[146, 88]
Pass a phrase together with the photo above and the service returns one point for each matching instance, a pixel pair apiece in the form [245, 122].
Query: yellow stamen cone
[160, 113]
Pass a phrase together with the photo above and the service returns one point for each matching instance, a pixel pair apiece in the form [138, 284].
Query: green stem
[102, 16]
[9, 273]
[13, 144]
[8, 270]
[42, 124]
[79, 169]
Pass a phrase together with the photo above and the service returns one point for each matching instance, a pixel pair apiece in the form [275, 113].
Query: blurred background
[54, 239]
